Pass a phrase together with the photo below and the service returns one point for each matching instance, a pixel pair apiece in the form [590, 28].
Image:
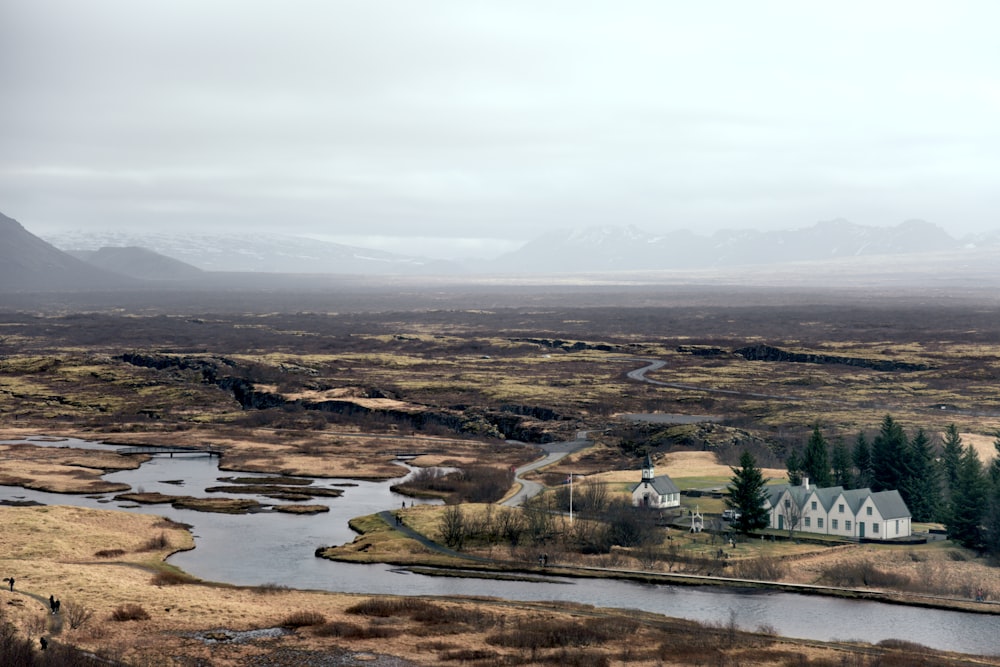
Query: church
[656, 492]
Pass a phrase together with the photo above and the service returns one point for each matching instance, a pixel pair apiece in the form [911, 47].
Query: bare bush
[170, 578]
[109, 553]
[761, 569]
[302, 619]
[862, 573]
[385, 607]
[156, 543]
[78, 615]
[271, 588]
[453, 529]
[130, 612]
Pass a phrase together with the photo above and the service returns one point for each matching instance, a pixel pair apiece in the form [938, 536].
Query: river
[284, 546]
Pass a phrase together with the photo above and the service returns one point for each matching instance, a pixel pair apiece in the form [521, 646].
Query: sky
[467, 127]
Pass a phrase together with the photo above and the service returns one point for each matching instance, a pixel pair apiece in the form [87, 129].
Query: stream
[278, 548]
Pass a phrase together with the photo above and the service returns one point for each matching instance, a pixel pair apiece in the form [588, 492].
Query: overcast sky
[461, 119]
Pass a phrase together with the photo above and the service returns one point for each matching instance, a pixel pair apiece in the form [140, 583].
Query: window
[833, 524]
[847, 525]
[788, 503]
[814, 504]
[869, 510]
[807, 522]
[819, 522]
[897, 525]
[874, 527]
[840, 508]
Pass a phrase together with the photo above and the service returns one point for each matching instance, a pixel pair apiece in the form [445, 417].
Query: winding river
[283, 549]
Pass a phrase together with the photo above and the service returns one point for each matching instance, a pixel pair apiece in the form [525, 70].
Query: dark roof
[890, 504]
[662, 484]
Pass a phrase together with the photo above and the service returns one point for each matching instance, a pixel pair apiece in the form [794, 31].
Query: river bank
[53, 550]
[395, 542]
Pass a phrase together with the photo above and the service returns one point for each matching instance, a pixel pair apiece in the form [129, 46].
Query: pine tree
[793, 464]
[840, 460]
[968, 502]
[951, 458]
[890, 457]
[991, 529]
[995, 464]
[862, 458]
[816, 461]
[921, 490]
[747, 495]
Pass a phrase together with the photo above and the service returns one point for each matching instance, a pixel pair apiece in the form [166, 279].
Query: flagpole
[571, 497]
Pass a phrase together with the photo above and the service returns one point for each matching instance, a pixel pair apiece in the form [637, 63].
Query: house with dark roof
[851, 513]
[656, 492]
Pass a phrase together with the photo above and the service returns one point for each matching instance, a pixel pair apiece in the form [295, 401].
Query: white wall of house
[838, 519]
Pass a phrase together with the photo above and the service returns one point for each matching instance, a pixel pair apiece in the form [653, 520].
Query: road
[639, 375]
[554, 451]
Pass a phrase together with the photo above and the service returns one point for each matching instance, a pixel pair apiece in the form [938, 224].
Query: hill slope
[29, 264]
[139, 263]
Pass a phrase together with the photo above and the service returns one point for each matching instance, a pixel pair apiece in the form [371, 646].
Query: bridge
[154, 450]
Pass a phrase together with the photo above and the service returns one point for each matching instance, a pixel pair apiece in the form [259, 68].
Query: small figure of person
[58, 604]
[12, 584]
[52, 604]
[44, 642]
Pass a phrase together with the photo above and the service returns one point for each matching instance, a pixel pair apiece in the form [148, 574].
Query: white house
[657, 492]
[854, 513]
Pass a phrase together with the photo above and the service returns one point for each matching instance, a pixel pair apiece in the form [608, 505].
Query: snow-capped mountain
[628, 248]
[265, 253]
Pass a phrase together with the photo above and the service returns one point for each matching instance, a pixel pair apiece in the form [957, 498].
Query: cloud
[497, 120]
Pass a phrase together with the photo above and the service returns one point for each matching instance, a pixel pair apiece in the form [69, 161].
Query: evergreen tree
[951, 458]
[793, 464]
[816, 461]
[840, 459]
[747, 495]
[968, 502]
[890, 457]
[922, 489]
[862, 458]
[991, 529]
[995, 464]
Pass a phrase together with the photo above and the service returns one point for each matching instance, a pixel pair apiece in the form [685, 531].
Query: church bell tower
[647, 470]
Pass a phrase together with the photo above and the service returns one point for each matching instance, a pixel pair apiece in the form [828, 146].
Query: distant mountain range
[259, 253]
[597, 249]
[94, 260]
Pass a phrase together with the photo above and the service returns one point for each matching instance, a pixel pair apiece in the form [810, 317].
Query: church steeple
[647, 469]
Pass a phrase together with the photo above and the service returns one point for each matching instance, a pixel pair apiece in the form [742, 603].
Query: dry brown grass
[50, 551]
[61, 470]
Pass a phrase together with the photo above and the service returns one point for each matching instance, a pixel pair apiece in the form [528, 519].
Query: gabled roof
[662, 484]
[890, 504]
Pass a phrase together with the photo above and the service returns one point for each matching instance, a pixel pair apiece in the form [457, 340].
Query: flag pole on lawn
[571, 497]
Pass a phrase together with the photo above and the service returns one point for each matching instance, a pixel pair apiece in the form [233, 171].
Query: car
[731, 515]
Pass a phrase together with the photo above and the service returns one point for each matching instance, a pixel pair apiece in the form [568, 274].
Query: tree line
[942, 482]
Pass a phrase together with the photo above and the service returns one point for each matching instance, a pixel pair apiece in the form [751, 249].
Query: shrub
[130, 612]
[761, 569]
[170, 578]
[384, 607]
[271, 588]
[156, 543]
[862, 573]
[347, 630]
[301, 619]
[76, 614]
[109, 553]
